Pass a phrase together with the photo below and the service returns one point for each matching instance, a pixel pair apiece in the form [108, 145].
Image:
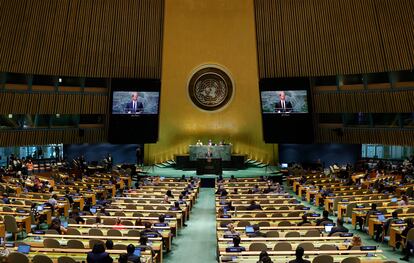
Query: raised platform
[183, 162]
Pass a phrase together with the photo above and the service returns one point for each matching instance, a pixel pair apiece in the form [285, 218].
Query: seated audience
[148, 230]
[167, 196]
[109, 244]
[254, 206]
[325, 218]
[143, 240]
[118, 225]
[123, 258]
[231, 230]
[130, 252]
[299, 256]
[363, 220]
[338, 228]
[256, 232]
[236, 244]
[57, 225]
[304, 220]
[355, 242]
[98, 255]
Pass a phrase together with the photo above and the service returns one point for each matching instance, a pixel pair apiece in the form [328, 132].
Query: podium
[209, 166]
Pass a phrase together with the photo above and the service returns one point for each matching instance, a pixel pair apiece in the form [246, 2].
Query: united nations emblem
[210, 88]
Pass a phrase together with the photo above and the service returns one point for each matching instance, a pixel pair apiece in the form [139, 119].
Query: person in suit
[134, 106]
[339, 227]
[325, 218]
[236, 244]
[98, 254]
[299, 256]
[283, 105]
[130, 252]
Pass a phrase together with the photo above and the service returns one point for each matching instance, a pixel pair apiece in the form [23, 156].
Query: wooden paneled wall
[94, 38]
[50, 103]
[42, 137]
[326, 37]
[365, 135]
[392, 101]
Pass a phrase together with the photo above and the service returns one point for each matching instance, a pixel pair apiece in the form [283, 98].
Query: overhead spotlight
[57, 115]
[10, 116]
[60, 80]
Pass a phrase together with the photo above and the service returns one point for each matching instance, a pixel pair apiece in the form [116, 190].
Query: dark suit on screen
[279, 107]
[139, 107]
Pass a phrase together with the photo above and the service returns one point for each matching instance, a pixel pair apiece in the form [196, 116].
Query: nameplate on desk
[235, 249]
[39, 232]
[346, 234]
[230, 236]
[368, 248]
[305, 208]
[161, 224]
[168, 216]
[315, 215]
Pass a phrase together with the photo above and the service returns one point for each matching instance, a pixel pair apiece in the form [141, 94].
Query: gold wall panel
[209, 32]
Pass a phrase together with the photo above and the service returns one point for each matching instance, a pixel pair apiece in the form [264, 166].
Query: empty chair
[72, 221]
[261, 215]
[245, 216]
[392, 204]
[137, 214]
[118, 213]
[133, 233]
[277, 215]
[263, 202]
[410, 210]
[109, 221]
[284, 223]
[51, 243]
[120, 246]
[11, 225]
[307, 246]
[242, 223]
[66, 260]
[351, 260]
[114, 232]
[292, 234]
[323, 259]
[161, 207]
[95, 232]
[327, 247]
[283, 246]
[41, 259]
[7, 209]
[92, 242]
[263, 223]
[284, 208]
[257, 247]
[90, 221]
[131, 206]
[17, 257]
[73, 231]
[148, 207]
[313, 233]
[272, 233]
[18, 202]
[128, 200]
[293, 214]
[278, 201]
[51, 232]
[74, 243]
[153, 214]
[127, 223]
[269, 208]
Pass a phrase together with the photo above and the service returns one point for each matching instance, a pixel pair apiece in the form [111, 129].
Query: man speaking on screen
[134, 106]
[283, 105]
